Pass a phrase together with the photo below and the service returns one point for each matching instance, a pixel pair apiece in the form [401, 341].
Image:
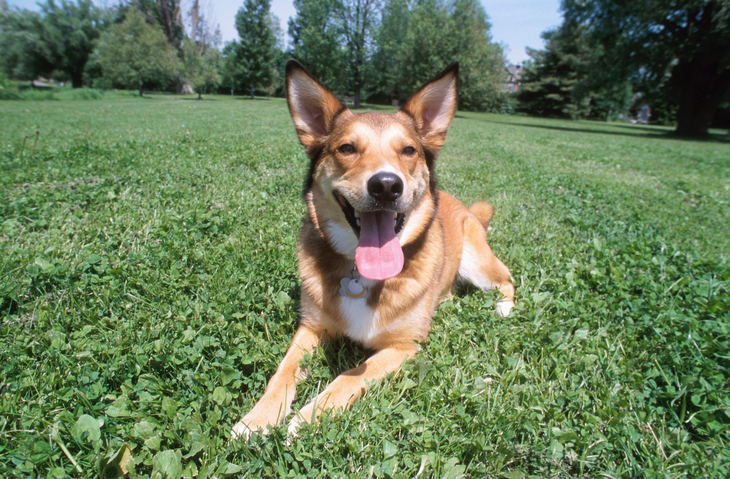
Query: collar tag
[350, 287]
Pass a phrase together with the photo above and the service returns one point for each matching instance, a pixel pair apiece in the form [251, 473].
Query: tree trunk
[356, 97]
[252, 90]
[702, 87]
[140, 89]
[357, 87]
[77, 79]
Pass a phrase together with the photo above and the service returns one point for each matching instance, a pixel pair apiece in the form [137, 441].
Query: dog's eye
[346, 149]
[409, 151]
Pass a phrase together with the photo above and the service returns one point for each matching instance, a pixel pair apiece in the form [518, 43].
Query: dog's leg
[275, 404]
[482, 268]
[352, 384]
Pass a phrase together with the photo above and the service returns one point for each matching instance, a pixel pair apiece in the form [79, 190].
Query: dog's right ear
[311, 105]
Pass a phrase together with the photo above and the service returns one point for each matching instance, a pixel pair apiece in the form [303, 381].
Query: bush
[36, 95]
[80, 94]
[6, 89]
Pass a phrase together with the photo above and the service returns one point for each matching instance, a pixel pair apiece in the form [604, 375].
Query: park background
[149, 218]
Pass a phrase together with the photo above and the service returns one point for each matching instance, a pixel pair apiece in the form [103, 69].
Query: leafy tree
[21, 42]
[436, 33]
[482, 69]
[335, 40]
[135, 53]
[57, 42]
[359, 21]
[678, 50]
[201, 57]
[550, 80]
[201, 70]
[168, 15]
[385, 73]
[69, 34]
[249, 62]
[316, 40]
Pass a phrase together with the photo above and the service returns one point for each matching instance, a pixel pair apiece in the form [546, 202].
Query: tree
[249, 62]
[167, 14]
[438, 32]
[201, 69]
[358, 23]
[482, 64]
[316, 41]
[677, 49]
[70, 33]
[385, 80]
[549, 82]
[135, 53]
[201, 57]
[21, 43]
[57, 42]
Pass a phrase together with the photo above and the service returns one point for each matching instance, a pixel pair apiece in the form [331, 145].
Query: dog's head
[371, 185]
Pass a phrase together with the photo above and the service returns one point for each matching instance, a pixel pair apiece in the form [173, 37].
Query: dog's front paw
[304, 416]
[504, 307]
[258, 420]
[241, 430]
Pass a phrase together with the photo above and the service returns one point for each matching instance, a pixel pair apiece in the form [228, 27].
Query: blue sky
[516, 24]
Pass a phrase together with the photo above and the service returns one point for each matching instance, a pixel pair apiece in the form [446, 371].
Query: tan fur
[442, 241]
[483, 211]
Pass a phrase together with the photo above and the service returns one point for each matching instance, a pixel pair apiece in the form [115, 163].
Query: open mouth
[353, 216]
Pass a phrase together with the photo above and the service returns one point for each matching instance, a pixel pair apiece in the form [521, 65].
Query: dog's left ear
[434, 105]
[312, 106]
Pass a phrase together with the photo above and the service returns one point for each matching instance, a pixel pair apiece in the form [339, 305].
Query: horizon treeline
[605, 61]
[364, 50]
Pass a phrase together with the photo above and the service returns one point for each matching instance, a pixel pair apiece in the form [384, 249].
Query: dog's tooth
[357, 214]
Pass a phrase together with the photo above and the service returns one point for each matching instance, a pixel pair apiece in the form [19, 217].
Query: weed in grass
[148, 289]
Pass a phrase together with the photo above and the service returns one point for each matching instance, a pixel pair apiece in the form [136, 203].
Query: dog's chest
[361, 321]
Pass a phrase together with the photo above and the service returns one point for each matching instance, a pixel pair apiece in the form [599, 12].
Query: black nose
[385, 187]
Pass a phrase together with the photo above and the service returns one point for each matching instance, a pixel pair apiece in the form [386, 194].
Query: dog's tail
[483, 211]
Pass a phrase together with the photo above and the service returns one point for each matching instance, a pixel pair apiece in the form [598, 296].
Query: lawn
[148, 290]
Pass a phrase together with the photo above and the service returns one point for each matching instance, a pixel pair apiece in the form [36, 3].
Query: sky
[516, 24]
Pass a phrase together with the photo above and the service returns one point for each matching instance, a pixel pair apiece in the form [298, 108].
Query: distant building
[514, 78]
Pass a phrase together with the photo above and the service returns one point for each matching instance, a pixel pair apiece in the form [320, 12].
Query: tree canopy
[136, 53]
[316, 40]
[56, 42]
[249, 62]
[376, 50]
[557, 82]
[676, 51]
[399, 45]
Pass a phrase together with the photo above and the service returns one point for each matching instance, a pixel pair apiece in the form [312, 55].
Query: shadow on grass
[342, 354]
[635, 131]
[195, 98]
[257, 98]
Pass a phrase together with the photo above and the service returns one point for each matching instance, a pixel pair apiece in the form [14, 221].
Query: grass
[148, 289]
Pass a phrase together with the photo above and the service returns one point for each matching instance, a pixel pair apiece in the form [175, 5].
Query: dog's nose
[385, 187]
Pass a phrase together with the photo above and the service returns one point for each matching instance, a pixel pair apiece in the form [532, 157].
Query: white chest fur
[361, 320]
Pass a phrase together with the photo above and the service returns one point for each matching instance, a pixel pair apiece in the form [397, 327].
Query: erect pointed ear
[312, 106]
[434, 105]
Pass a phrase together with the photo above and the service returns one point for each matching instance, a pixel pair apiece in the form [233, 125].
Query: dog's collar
[350, 286]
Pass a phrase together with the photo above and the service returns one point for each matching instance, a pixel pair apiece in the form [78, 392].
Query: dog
[380, 246]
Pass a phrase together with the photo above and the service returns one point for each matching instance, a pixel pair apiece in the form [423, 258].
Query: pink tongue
[378, 254]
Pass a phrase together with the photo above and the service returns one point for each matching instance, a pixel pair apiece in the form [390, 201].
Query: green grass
[148, 289]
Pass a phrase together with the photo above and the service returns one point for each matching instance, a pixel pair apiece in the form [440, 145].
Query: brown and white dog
[380, 246]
